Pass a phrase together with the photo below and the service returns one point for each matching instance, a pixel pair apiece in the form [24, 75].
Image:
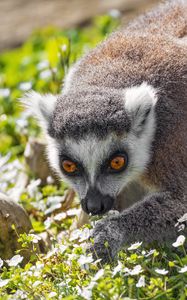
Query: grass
[65, 271]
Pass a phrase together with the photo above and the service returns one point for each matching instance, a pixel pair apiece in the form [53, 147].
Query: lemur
[122, 119]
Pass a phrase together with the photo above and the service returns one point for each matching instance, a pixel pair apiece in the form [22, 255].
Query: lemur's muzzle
[97, 203]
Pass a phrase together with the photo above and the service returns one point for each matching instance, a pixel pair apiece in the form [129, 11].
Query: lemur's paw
[106, 240]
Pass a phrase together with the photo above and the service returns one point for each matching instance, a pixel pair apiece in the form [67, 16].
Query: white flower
[127, 271]
[22, 123]
[114, 13]
[86, 293]
[85, 234]
[52, 294]
[71, 257]
[36, 283]
[15, 260]
[25, 86]
[4, 92]
[85, 260]
[48, 222]
[39, 266]
[141, 281]
[54, 200]
[45, 74]
[26, 60]
[36, 274]
[183, 270]
[63, 284]
[112, 213]
[52, 208]
[180, 222]
[98, 275]
[42, 65]
[183, 218]
[118, 268]
[181, 227]
[4, 159]
[161, 271]
[33, 187]
[152, 251]
[3, 117]
[20, 295]
[35, 238]
[136, 270]
[1, 262]
[50, 180]
[97, 260]
[60, 216]
[64, 48]
[4, 282]
[75, 235]
[52, 252]
[135, 246]
[180, 241]
[73, 212]
[62, 248]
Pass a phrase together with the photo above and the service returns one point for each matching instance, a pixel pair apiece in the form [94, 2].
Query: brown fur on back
[151, 49]
[169, 19]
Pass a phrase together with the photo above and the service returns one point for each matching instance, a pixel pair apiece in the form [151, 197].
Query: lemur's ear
[40, 106]
[139, 104]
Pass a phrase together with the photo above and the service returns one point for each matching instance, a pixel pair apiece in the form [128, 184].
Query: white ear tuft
[139, 103]
[40, 106]
[140, 96]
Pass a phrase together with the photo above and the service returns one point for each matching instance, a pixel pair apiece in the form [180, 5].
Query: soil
[18, 18]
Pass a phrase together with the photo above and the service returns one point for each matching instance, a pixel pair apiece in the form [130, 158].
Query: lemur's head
[98, 140]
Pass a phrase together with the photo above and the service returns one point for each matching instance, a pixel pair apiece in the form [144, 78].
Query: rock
[36, 159]
[12, 213]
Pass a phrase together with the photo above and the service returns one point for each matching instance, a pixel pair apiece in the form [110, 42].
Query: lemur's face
[98, 149]
[98, 169]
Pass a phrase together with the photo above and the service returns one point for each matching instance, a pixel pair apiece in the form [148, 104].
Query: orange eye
[69, 166]
[117, 163]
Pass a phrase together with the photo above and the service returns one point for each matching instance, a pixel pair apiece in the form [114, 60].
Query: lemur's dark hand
[107, 239]
[138, 223]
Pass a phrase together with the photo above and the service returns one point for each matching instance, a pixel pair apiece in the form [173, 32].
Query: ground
[16, 16]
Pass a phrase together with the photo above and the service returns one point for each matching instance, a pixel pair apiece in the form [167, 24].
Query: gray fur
[130, 91]
[90, 110]
[152, 219]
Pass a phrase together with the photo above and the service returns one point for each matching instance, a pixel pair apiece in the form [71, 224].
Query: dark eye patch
[79, 170]
[105, 168]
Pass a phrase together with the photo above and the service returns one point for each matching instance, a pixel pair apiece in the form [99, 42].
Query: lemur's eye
[69, 166]
[118, 163]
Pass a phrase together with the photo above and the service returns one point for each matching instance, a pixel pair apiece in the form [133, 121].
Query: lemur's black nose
[95, 208]
[96, 203]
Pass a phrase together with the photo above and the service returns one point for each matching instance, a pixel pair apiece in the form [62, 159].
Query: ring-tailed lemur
[122, 118]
